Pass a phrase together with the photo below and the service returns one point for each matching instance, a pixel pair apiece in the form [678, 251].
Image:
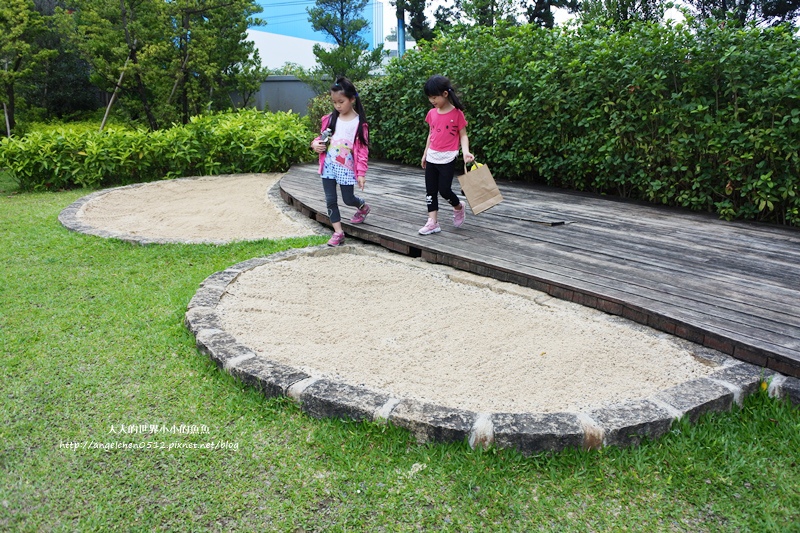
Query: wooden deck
[734, 287]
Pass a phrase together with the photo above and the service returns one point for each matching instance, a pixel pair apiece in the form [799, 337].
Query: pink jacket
[360, 151]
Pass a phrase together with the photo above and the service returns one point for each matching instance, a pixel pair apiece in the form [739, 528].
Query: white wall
[276, 50]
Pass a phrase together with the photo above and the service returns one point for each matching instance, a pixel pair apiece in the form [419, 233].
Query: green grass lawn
[92, 339]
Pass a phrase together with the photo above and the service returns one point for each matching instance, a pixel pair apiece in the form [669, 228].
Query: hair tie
[356, 95]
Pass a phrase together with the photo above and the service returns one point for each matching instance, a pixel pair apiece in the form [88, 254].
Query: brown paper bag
[480, 189]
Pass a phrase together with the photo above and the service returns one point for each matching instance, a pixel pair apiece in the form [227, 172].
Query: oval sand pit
[210, 209]
[435, 334]
[367, 334]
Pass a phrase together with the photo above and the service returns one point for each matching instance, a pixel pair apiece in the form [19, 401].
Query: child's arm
[425, 152]
[468, 157]
[362, 155]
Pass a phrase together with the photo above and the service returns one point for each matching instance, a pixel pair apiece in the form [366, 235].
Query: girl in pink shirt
[447, 129]
[343, 148]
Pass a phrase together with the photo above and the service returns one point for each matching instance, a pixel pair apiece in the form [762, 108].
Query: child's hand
[318, 146]
[361, 180]
[423, 160]
[468, 157]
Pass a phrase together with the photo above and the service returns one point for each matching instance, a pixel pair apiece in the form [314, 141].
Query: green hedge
[76, 156]
[704, 116]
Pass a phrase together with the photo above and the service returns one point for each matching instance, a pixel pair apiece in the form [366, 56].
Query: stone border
[68, 217]
[624, 424]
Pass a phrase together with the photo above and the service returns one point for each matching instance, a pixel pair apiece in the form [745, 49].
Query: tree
[764, 12]
[465, 13]
[540, 12]
[341, 20]
[417, 22]
[20, 25]
[623, 10]
[351, 61]
[59, 85]
[171, 58]
[445, 18]
[246, 78]
[215, 36]
[488, 12]
[492, 12]
[417, 26]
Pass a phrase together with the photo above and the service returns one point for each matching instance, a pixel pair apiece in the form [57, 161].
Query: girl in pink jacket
[343, 148]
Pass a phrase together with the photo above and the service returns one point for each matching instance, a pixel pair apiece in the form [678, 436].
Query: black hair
[437, 85]
[347, 88]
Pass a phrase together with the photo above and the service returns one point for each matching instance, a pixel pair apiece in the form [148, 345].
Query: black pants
[439, 180]
[332, 200]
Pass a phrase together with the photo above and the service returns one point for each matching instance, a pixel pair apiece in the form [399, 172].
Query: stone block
[200, 318]
[220, 346]
[790, 389]
[326, 398]
[743, 376]
[207, 296]
[222, 278]
[432, 422]
[629, 423]
[273, 379]
[532, 433]
[696, 397]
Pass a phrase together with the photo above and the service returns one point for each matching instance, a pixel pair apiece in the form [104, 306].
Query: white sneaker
[459, 215]
[431, 227]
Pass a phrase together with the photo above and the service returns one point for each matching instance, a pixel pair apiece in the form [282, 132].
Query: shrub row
[699, 115]
[70, 156]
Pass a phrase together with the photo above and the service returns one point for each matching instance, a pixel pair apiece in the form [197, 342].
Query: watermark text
[147, 445]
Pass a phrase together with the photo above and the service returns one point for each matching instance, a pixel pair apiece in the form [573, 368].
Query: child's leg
[332, 202]
[445, 184]
[349, 197]
[432, 189]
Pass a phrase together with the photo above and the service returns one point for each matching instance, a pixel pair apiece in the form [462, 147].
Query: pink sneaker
[360, 215]
[431, 227]
[336, 239]
[459, 215]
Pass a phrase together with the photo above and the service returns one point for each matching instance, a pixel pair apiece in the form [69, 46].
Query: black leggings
[439, 180]
[331, 198]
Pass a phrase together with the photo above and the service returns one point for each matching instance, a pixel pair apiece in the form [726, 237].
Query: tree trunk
[8, 108]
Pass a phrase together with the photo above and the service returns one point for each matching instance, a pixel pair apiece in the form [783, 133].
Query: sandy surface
[208, 209]
[428, 332]
[368, 317]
